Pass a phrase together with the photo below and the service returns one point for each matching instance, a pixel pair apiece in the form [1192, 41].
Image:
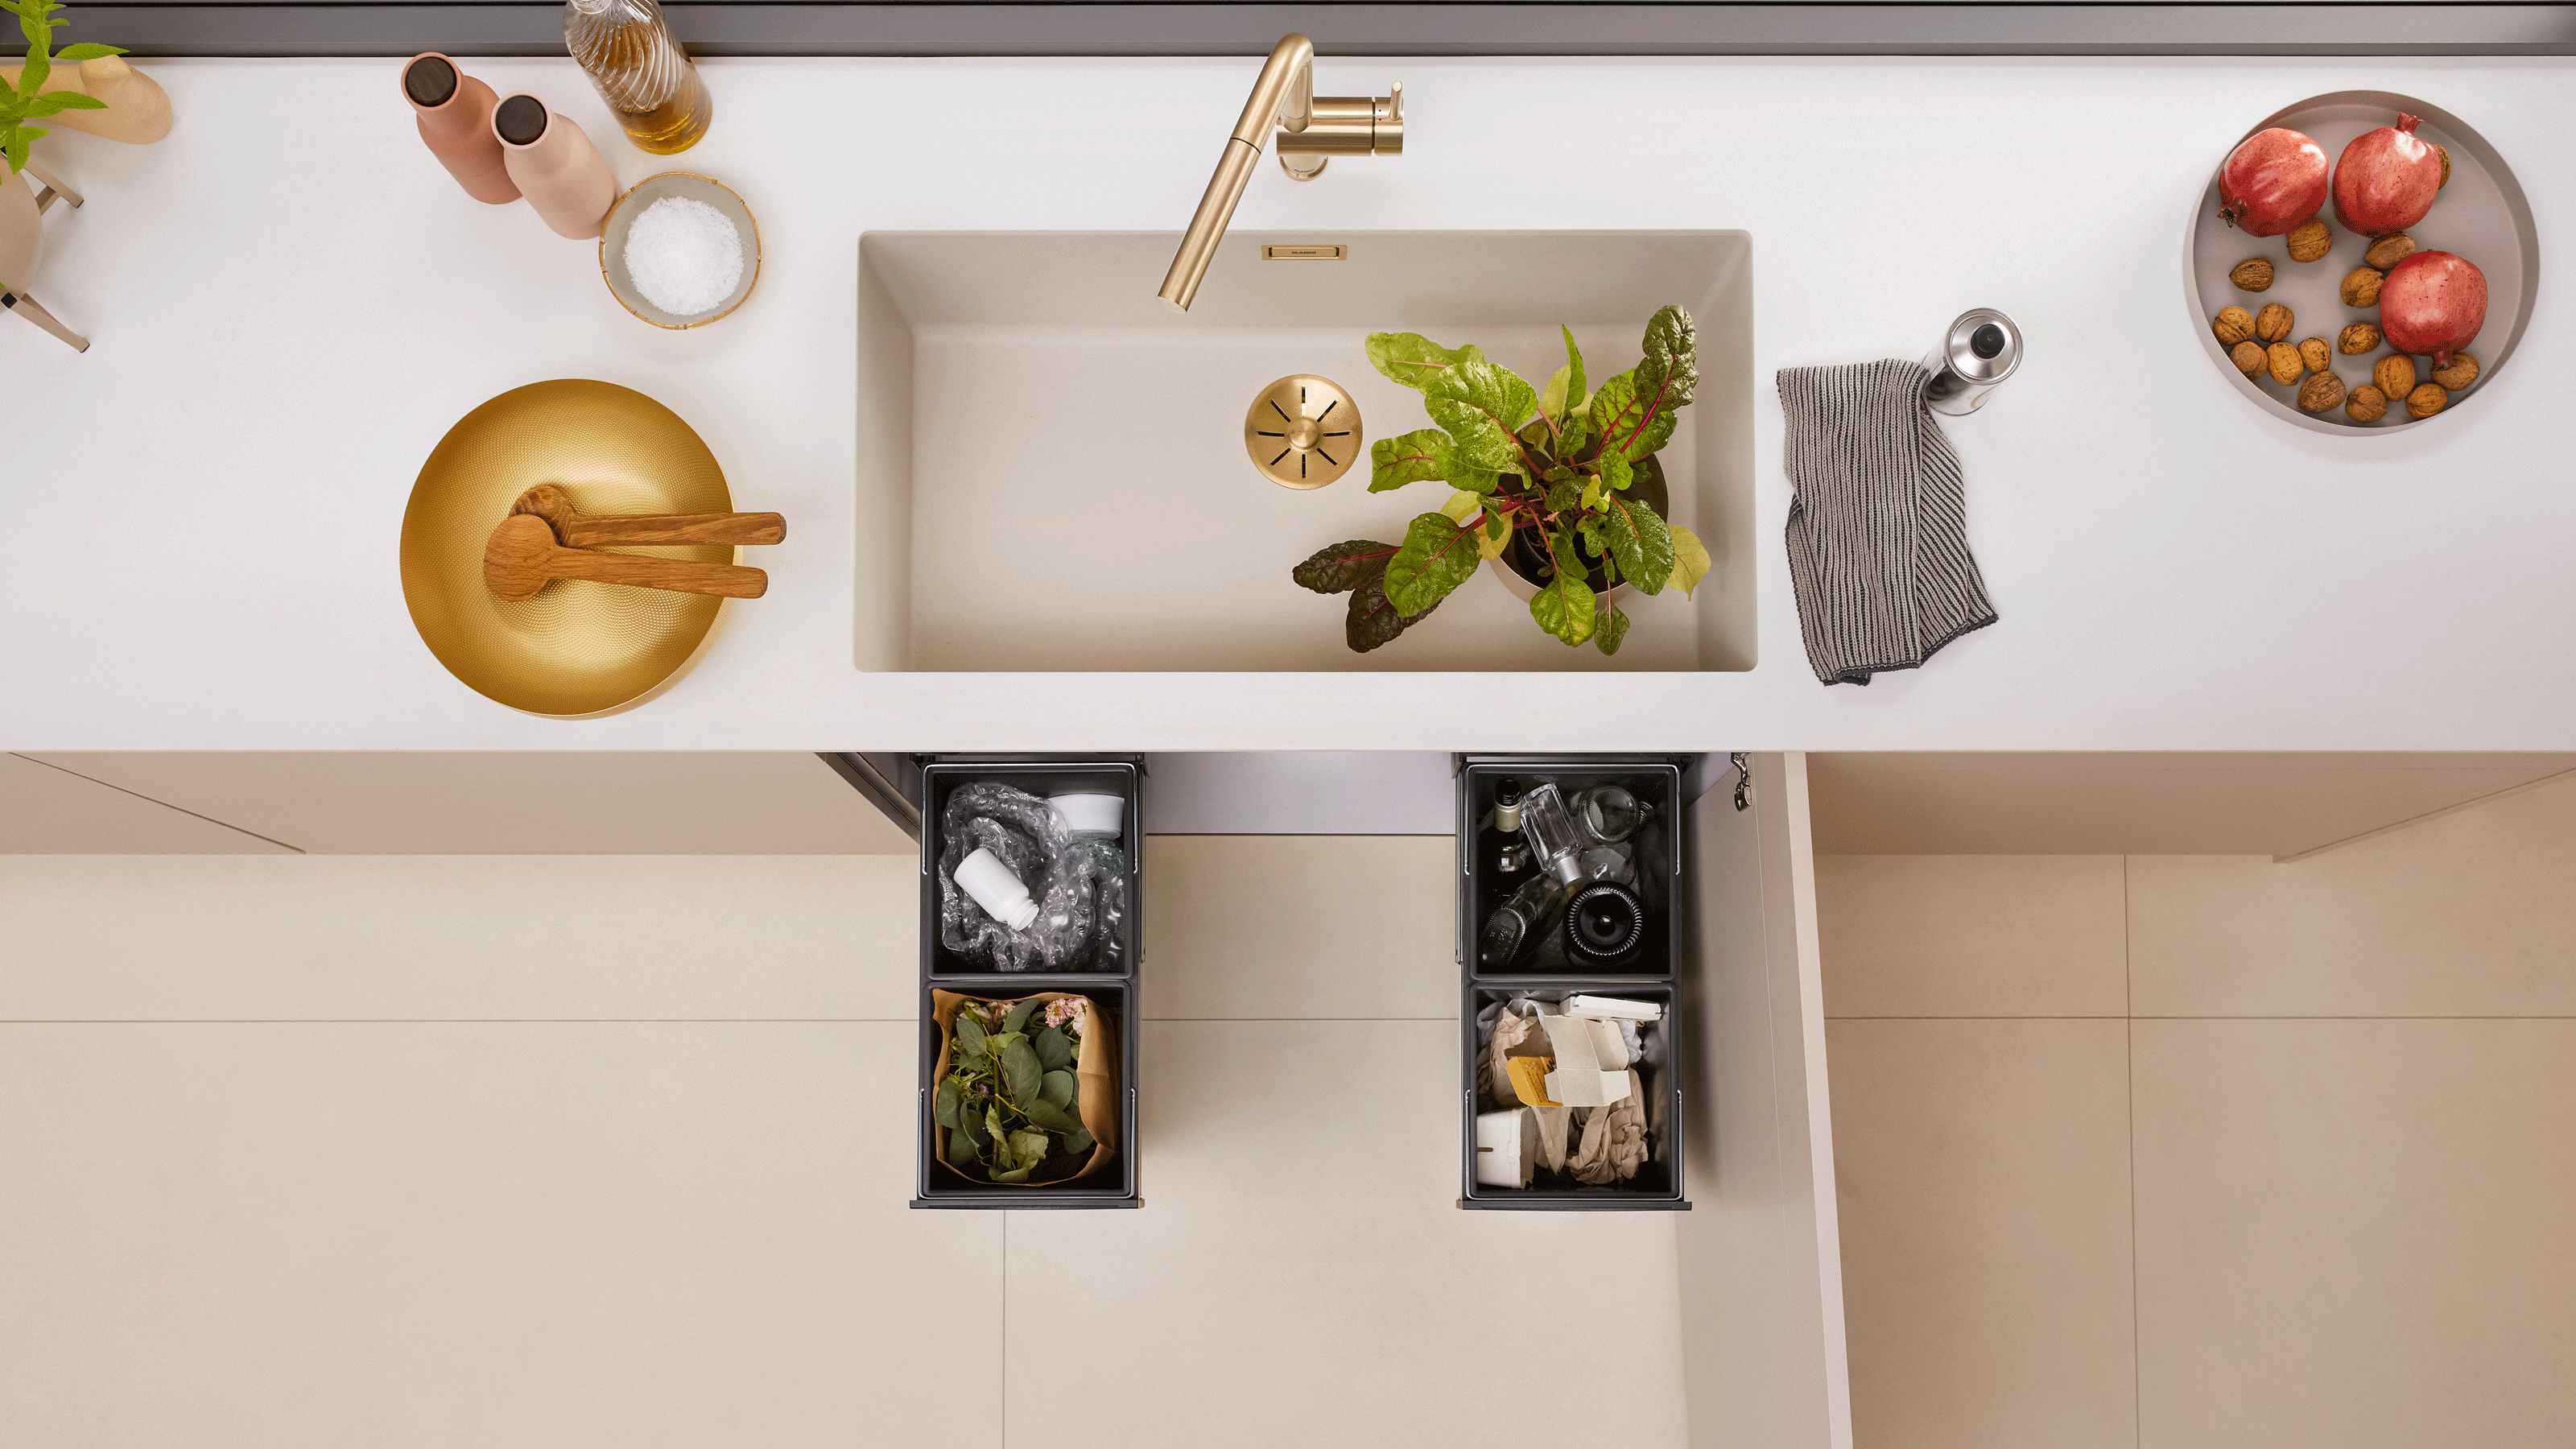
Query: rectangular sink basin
[1052, 468]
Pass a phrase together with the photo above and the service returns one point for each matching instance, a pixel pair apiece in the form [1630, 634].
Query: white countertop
[291, 302]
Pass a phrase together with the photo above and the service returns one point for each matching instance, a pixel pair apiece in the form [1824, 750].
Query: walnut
[2445, 153]
[2233, 325]
[2366, 405]
[2315, 354]
[2248, 357]
[2462, 371]
[2395, 374]
[2321, 393]
[2388, 251]
[2309, 242]
[2274, 322]
[2285, 362]
[2361, 287]
[2427, 400]
[2358, 338]
[2252, 274]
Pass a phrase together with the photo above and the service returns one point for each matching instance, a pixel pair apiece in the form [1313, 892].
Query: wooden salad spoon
[522, 557]
[574, 529]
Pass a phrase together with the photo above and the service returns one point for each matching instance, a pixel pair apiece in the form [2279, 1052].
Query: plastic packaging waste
[1079, 885]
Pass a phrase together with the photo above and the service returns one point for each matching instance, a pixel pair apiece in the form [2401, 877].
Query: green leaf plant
[23, 103]
[1010, 1102]
[1550, 465]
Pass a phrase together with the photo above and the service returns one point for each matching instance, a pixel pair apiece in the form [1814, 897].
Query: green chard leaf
[1438, 555]
[1373, 619]
[1690, 559]
[948, 1103]
[1670, 369]
[1414, 457]
[1018, 1020]
[1565, 393]
[1021, 1075]
[1481, 406]
[1640, 542]
[1563, 605]
[1613, 630]
[1634, 412]
[1343, 566]
[1413, 359]
[1054, 1049]
[1616, 474]
[1059, 1088]
[1565, 495]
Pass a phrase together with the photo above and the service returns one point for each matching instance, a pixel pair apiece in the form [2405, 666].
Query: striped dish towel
[1878, 531]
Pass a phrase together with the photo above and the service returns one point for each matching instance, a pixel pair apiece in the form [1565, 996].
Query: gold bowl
[578, 648]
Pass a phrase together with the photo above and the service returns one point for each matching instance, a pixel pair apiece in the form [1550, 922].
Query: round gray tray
[2481, 215]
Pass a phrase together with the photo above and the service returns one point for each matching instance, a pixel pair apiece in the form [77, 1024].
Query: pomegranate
[2274, 180]
[2385, 181]
[2433, 302]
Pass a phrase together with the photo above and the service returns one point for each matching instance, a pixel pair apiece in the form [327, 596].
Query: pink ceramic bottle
[556, 167]
[455, 116]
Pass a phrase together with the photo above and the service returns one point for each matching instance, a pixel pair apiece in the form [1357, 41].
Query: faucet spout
[1283, 96]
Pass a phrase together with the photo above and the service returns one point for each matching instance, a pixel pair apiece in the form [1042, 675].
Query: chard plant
[1548, 467]
[23, 103]
[1010, 1100]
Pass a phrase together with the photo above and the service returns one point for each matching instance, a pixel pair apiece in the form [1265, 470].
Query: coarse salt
[684, 256]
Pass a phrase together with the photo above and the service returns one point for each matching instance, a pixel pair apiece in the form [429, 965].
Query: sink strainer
[1303, 432]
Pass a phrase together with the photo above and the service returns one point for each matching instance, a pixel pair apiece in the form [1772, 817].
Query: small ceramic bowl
[621, 217]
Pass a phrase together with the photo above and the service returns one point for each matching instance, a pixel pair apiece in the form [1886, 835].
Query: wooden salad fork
[522, 557]
[575, 529]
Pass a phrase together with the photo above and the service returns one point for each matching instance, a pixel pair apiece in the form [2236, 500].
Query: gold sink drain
[1303, 432]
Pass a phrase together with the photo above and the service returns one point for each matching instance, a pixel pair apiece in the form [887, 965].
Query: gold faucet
[1312, 130]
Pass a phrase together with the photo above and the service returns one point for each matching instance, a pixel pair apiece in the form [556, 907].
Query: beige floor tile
[1300, 926]
[336, 938]
[2467, 915]
[1300, 1274]
[1971, 935]
[2356, 1233]
[1982, 1172]
[492, 1234]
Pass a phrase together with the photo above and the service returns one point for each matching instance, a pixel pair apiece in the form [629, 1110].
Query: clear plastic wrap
[1080, 886]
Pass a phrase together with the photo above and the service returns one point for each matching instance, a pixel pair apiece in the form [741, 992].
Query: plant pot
[22, 230]
[1523, 565]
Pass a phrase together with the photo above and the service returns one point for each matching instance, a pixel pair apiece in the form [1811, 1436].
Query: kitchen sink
[1052, 473]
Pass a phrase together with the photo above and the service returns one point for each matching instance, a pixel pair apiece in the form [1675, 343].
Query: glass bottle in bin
[1498, 839]
[1531, 911]
[1608, 814]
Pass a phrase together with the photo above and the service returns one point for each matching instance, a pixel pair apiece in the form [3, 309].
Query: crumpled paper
[1613, 1145]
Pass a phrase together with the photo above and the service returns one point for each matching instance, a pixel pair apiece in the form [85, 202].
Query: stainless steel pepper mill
[1982, 349]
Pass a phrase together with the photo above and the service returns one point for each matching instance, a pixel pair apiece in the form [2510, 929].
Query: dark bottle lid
[1507, 792]
[1605, 924]
[521, 120]
[429, 80]
[1987, 341]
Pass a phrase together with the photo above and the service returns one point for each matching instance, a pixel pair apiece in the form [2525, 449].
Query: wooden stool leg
[25, 306]
[53, 188]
